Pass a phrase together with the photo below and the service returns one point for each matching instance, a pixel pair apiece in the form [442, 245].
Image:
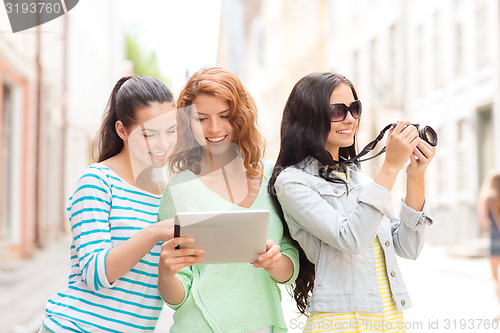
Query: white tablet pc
[226, 236]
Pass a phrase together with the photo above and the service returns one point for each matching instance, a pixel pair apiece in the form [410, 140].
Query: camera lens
[429, 135]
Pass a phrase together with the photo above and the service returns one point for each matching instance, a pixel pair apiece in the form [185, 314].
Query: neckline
[224, 199]
[311, 165]
[114, 174]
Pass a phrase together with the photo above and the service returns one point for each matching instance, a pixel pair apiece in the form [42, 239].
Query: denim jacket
[336, 226]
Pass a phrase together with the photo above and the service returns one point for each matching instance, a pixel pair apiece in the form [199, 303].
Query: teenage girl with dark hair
[112, 286]
[342, 219]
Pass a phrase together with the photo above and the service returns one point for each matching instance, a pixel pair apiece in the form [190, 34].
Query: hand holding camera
[419, 160]
[407, 140]
[401, 142]
[425, 133]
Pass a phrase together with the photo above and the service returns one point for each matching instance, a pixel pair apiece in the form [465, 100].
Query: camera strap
[369, 147]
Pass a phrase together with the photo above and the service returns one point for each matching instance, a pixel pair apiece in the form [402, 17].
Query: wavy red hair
[220, 83]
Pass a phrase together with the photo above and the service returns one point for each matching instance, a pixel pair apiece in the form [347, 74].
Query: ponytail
[108, 143]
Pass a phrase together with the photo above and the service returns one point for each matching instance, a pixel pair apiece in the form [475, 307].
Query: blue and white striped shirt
[104, 212]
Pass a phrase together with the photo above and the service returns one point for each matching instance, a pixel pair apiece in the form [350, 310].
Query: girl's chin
[347, 143]
[150, 163]
[159, 163]
[217, 149]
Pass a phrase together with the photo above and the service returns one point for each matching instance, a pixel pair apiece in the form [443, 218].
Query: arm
[174, 274]
[408, 232]
[289, 250]
[494, 212]
[283, 272]
[482, 210]
[307, 208]
[415, 180]
[125, 256]
[171, 290]
[350, 233]
[280, 267]
[100, 263]
[401, 142]
[174, 288]
[88, 213]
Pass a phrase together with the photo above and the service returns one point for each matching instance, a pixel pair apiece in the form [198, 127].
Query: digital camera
[426, 133]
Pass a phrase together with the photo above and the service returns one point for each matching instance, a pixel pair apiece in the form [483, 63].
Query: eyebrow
[217, 113]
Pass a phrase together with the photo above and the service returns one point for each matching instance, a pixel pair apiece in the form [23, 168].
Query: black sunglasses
[339, 111]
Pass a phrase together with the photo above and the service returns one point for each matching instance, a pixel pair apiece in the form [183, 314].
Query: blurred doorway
[5, 166]
[485, 140]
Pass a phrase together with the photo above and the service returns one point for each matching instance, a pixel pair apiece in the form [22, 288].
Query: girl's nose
[349, 118]
[160, 144]
[213, 127]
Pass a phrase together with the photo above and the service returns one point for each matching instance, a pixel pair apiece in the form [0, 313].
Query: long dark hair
[129, 94]
[304, 130]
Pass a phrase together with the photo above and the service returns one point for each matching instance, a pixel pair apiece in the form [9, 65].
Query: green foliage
[145, 61]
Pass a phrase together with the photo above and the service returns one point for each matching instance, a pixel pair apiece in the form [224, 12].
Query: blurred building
[270, 45]
[434, 62]
[54, 83]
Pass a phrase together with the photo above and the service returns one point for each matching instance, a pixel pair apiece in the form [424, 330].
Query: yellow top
[390, 320]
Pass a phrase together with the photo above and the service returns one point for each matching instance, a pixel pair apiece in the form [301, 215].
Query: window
[458, 33]
[485, 141]
[438, 50]
[462, 155]
[6, 162]
[441, 175]
[482, 50]
[373, 63]
[258, 40]
[355, 67]
[458, 50]
[392, 60]
[420, 59]
[441, 162]
[375, 83]
[460, 131]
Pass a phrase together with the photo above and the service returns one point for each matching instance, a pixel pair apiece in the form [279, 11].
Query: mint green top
[226, 297]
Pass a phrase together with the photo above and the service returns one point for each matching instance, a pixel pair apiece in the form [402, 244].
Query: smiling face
[342, 132]
[152, 136]
[210, 124]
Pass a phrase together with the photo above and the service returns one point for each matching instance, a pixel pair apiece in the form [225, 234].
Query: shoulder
[358, 177]
[300, 172]
[97, 174]
[93, 183]
[294, 178]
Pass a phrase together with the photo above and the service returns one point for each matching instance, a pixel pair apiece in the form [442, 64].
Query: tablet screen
[226, 236]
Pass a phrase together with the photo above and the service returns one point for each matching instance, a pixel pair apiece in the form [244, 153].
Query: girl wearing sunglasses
[343, 220]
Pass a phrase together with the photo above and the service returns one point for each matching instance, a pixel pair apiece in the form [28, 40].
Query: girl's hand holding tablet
[172, 260]
[270, 259]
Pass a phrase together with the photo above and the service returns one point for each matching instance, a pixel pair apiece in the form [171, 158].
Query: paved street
[449, 294]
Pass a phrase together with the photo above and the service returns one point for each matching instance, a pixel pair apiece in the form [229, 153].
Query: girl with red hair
[219, 167]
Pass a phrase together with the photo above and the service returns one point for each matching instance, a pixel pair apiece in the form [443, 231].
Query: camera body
[426, 133]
